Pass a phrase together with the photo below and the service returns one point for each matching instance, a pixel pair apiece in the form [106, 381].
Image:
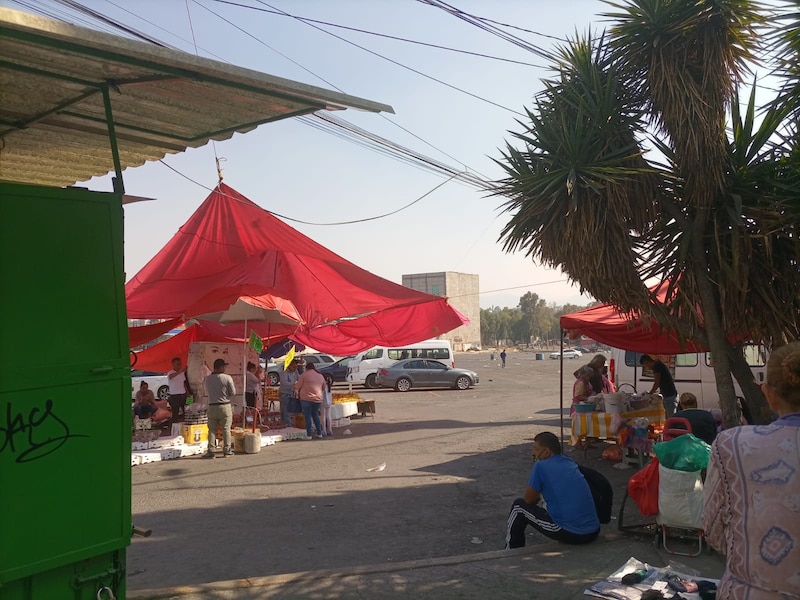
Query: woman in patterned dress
[752, 493]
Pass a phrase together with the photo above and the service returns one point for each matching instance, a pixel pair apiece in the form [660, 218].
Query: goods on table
[341, 398]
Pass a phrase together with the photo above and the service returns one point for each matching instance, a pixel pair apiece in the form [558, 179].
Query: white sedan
[157, 382]
[567, 354]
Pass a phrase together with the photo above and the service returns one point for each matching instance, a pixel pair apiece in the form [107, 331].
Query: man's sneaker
[306, 437]
[228, 453]
[320, 436]
[208, 455]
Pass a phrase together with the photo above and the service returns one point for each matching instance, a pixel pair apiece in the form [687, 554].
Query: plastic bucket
[613, 403]
[252, 442]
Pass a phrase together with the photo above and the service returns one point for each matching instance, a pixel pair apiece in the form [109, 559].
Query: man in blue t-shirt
[570, 516]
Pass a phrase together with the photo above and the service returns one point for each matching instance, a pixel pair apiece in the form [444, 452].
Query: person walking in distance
[662, 380]
[176, 379]
[221, 390]
[503, 358]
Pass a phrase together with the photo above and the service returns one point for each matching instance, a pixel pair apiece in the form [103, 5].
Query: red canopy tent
[231, 242]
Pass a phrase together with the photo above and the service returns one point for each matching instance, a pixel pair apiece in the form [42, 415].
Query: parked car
[571, 353]
[274, 369]
[337, 370]
[273, 372]
[422, 373]
[157, 382]
[317, 359]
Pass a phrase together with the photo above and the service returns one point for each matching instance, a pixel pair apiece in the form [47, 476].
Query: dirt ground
[454, 463]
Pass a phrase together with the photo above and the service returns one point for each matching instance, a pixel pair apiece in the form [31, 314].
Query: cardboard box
[194, 434]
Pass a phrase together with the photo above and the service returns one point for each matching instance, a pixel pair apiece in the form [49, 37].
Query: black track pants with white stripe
[523, 514]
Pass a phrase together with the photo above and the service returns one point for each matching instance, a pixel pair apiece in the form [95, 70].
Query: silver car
[422, 373]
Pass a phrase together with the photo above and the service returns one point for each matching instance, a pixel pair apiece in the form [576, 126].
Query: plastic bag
[613, 453]
[680, 498]
[684, 453]
[643, 489]
[294, 406]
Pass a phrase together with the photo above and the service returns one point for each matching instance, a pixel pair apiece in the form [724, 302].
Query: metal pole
[119, 186]
[561, 391]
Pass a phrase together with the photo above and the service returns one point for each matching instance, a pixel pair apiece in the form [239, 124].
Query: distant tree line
[531, 323]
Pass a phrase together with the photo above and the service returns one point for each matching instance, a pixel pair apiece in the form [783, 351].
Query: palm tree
[638, 148]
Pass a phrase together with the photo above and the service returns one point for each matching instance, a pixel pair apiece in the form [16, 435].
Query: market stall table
[598, 424]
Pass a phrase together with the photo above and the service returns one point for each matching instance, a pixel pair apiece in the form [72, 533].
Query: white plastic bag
[680, 498]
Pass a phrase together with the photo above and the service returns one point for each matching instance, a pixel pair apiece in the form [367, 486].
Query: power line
[334, 86]
[485, 26]
[382, 35]
[364, 220]
[401, 65]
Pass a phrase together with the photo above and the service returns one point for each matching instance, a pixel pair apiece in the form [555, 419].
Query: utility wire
[382, 35]
[480, 24]
[401, 65]
[364, 220]
[333, 85]
[103, 19]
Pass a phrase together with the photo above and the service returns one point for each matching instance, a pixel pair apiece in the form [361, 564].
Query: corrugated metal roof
[53, 77]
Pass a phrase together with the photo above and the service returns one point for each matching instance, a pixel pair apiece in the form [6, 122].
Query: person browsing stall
[310, 388]
[176, 379]
[571, 514]
[752, 493]
[662, 380]
[704, 426]
[221, 390]
[251, 385]
[289, 377]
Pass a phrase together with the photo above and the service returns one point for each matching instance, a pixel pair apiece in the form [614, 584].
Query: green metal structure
[65, 434]
[77, 103]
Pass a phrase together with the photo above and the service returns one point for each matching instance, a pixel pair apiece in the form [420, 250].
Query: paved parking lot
[454, 462]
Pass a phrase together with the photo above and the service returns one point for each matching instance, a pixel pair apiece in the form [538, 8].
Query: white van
[364, 367]
[692, 372]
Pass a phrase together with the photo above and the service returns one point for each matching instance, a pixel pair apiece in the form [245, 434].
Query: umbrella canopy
[607, 325]
[234, 304]
[230, 242]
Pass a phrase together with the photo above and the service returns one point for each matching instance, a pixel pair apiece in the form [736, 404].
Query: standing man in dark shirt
[662, 380]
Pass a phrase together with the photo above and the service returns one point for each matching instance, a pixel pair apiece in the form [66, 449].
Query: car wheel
[273, 378]
[163, 392]
[403, 384]
[370, 381]
[463, 382]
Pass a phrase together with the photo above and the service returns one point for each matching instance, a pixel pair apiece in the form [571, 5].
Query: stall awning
[58, 80]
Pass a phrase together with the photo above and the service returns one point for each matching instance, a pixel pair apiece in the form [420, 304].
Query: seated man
[571, 516]
[704, 426]
[145, 406]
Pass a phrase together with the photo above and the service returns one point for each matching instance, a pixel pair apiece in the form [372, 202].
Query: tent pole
[561, 392]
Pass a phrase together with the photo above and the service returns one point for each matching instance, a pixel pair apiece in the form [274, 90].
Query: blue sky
[297, 171]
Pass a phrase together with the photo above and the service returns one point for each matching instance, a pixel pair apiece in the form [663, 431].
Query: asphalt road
[454, 462]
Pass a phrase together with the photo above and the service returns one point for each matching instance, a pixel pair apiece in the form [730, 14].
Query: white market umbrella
[232, 305]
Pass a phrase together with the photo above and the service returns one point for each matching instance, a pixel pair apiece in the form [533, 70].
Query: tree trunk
[759, 409]
[717, 342]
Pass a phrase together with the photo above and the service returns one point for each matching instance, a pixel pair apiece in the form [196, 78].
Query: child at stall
[325, 408]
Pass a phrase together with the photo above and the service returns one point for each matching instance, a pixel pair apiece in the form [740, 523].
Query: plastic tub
[584, 407]
[614, 402]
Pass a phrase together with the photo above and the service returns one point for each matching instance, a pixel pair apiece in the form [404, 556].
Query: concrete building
[462, 291]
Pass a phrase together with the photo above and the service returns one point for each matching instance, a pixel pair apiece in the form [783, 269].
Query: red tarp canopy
[231, 242]
[608, 326]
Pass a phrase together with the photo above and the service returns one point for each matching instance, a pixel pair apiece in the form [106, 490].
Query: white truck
[692, 372]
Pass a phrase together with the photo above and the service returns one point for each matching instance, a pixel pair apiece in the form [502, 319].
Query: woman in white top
[325, 408]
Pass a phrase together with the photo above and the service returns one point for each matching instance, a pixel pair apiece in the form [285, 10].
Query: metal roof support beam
[11, 66]
[66, 46]
[119, 186]
[58, 107]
